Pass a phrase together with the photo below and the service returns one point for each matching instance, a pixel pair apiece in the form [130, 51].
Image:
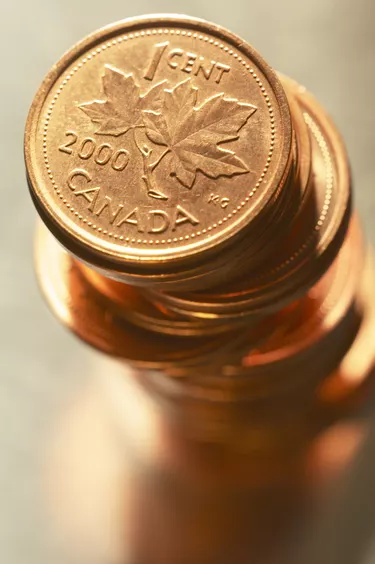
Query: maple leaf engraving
[122, 108]
[193, 134]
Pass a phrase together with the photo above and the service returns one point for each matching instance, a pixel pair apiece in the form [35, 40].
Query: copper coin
[155, 140]
[127, 301]
[303, 344]
[77, 306]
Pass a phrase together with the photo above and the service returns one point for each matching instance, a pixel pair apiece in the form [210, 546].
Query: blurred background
[327, 45]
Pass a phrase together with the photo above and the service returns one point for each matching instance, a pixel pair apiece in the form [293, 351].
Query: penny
[127, 301]
[294, 354]
[77, 306]
[157, 141]
[297, 359]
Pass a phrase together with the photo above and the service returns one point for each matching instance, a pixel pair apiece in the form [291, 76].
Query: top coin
[156, 140]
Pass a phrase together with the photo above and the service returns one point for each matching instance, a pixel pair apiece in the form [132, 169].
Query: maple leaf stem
[153, 165]
[147, 177]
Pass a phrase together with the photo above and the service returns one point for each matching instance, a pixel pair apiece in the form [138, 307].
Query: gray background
[327, 45]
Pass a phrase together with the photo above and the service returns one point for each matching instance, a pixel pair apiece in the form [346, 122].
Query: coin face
[155, 140]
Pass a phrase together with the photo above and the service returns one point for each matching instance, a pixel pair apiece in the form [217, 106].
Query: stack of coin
[203, 201]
